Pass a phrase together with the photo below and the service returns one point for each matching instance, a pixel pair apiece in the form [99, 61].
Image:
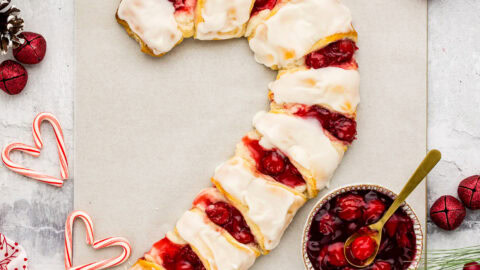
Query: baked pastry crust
[183, 19]
[259, 190]
[235, 20]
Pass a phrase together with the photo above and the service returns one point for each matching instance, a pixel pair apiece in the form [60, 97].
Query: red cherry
[187, 254]
[340, 126]
[13, 77]
[363, 247]
[335, 255]
[403, 231]
[350, 207]
[345, 129]
[469, 192]
[381, 265]
[322, 255]
[178, 4]
[243, 236]
[447, 213]
[335, 53]
[346, 46]
[392, 225]
[219, 213]
[32, 50]
[183, 265]
[326, 225]
[263, 4]
[373, 211]
[472, 266]
[273, 163]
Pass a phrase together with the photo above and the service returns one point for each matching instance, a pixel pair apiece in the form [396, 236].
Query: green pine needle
[450, 259]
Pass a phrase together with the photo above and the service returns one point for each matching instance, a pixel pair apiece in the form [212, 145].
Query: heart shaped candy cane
[35, 151]
[107, 242]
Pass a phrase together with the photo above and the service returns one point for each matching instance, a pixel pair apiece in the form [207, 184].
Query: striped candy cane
[35, 151]
[107, 242]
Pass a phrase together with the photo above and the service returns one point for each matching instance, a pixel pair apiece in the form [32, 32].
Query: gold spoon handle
[432, 158]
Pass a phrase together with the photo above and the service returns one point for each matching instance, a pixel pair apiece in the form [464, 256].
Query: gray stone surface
[453, 108]
[34, 214]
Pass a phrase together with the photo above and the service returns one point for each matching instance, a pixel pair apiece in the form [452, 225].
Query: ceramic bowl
[416, 223]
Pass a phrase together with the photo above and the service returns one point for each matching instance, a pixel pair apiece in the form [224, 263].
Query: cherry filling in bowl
[261, 5]
[335, 54]
[226, 216]
[349, 212]
[337, 124]
[176, 257]
[274, 163]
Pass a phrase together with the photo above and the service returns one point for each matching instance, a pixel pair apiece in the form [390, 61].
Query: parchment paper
[149, 132]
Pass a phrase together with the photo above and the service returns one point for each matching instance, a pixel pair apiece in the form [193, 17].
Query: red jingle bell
[469, 192]
[447, 213]
[13, 77]
[32, 50]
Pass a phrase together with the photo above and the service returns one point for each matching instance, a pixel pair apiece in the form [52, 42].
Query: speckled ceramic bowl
[416, 223]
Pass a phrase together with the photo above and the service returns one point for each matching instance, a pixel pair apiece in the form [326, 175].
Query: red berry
[183, 265]
[32, 50]
[346, 46]
[447, 213]
[219, 213]
[373, 211]
[392, 225]
[322, 255]
[345, 129]
[350, 207]
[381, 265]
[340, 126]
[263, 4]
[243, 236]
[363, 247]
[13, 77]
[335, 255]
[472, 266]
[469, 192]
[273, 163]
[334, 54]
[402, 237]
[326, 225]
[187, 254]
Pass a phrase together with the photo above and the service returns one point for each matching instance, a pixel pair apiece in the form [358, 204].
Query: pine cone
[11, 25]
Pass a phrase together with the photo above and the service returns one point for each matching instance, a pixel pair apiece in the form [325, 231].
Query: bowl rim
[345, 188]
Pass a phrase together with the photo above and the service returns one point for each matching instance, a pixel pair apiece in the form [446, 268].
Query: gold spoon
[423, 169]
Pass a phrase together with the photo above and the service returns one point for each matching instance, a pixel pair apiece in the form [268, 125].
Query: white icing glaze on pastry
[302, 140]
[211, 245]
[153, 21]
[333, 87]
[288, 35]
[270, 206]
[223, 19]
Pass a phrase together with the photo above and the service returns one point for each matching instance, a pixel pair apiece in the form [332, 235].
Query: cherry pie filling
[349, 212]
[228, 217]
[177, 257]
[182, 5]
[261, 5]
[335, 54]
[337, 124]
[274, 163]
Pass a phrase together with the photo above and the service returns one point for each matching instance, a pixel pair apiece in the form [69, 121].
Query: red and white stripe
[57, 129]
[107, 242]
[35, 152]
